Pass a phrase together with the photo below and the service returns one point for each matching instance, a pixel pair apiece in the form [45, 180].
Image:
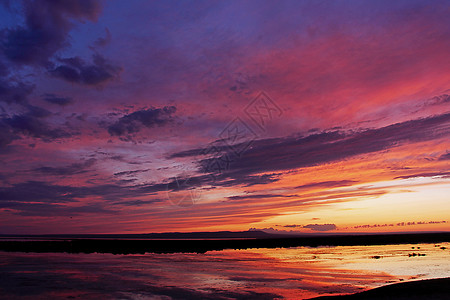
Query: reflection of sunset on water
[293, 273]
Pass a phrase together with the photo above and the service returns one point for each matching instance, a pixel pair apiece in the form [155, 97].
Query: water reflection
[295, 273]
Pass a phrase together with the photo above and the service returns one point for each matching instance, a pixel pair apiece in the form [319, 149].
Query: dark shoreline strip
[121, 246]
[413, 290]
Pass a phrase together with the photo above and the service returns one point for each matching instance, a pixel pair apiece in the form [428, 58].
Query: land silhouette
[201, 242]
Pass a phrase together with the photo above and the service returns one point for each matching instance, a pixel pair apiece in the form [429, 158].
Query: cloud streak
[75, 70]
[329, 146]
[145, 118]
[321, 227]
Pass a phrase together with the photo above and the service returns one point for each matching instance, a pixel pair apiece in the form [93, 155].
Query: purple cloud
[75, 70]
[47, 24]
[134, 122]
[57, 100]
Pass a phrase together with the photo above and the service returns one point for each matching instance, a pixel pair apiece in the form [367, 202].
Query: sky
[161, 116]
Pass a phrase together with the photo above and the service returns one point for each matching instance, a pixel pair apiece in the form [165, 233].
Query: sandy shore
[435, 289]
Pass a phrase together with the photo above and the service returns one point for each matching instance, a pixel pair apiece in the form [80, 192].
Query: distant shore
[140, 246]
[435, 289]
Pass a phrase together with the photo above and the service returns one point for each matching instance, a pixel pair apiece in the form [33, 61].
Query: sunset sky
[139, 116]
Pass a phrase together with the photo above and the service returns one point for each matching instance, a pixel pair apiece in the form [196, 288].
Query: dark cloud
[278, 154]
[128, 173]
[232, 179]
[425, 174]
[72, 169]
[47, 24]
[259, 196]
[94, 208]
[51, 209]
[43, 198]
[326, 184]
[136, 202]
[321, 227]
[30, 192]
[6, 135]
[445, 156]
[439, 100]
[32, 124]
[134, 122]
[53, 99]
[14, 92]
[399, 224]
[76, 70]
[292, 226]
[37, 191]
[188, 183]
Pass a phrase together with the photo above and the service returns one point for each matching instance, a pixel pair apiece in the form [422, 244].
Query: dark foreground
[278, 273]
[141, 246]
[436, 289]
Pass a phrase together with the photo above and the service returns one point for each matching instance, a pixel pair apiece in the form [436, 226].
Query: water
[293, 273]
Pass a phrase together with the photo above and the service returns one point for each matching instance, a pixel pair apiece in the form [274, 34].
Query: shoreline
[141, 246]
[438, 288]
